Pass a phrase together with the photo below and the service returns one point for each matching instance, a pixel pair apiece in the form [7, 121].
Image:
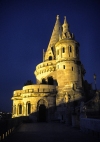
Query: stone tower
[61, 63]
[59, 79]
[69, 69]
[47, 68]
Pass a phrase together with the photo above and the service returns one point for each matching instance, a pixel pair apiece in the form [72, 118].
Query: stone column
[17, 110]
[23, 110]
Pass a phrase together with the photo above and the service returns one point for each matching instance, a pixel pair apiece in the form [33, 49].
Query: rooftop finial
[64, 17]
[65, 21]
[57, 17]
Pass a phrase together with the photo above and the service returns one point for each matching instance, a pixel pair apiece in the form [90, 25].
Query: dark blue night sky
[25, 30]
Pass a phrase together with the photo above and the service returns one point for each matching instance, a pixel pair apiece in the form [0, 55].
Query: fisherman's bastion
[59, 87]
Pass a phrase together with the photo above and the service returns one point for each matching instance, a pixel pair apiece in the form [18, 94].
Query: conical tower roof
[65, 31]
[65, 25]
[55, 34]
[54, 37]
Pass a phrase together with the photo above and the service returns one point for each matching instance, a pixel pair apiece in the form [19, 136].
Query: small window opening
[72, 68]
[63, 66]
[70, 49]
[50, 57]
[63, 50]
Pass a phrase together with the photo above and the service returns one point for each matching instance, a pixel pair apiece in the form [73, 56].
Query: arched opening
[70, 49]
[20, 109]
[50, 57]
[44, 81]
[50, 80]
[42, 113]
[29, 108]
[63, 50]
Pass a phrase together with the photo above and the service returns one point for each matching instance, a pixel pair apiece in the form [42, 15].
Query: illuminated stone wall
[61, 64]
[32, 94]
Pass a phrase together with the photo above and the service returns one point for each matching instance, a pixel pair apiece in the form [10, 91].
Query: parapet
[41, 88]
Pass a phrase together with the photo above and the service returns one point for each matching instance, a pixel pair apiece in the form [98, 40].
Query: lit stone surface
[59, 79]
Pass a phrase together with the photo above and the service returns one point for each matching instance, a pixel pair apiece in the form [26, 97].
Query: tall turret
[61, 61]
[68, 65]
[66, 33]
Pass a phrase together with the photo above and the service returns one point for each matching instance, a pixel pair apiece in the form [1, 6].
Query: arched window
[70, 49]
[20, 109]
[44, 81]
[50, 57]
[63, 50]
[29, 108]
[63, 66]
[50, 81]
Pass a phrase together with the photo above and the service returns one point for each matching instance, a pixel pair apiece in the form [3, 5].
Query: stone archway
[19, 109]
[42, 111]
[50, 80]
[50, 57]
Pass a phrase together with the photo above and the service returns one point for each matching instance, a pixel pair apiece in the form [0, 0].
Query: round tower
[47, 69]
[68, 65]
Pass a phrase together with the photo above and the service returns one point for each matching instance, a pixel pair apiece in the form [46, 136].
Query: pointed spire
[55, 34]
[65, 19]
[54, 37]
[57, 17]
[65, 25]
[66, 33]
